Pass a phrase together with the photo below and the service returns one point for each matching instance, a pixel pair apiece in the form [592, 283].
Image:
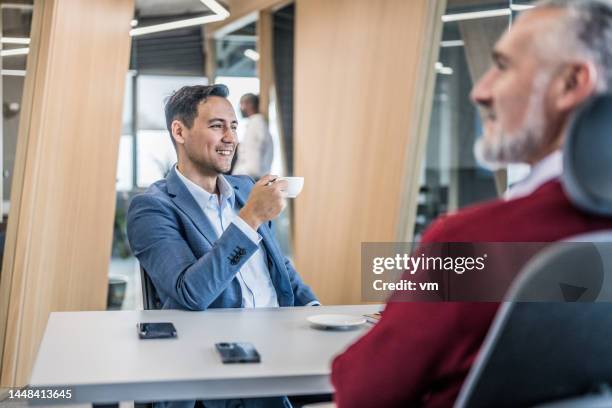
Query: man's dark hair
[183, 104]
[252, 99]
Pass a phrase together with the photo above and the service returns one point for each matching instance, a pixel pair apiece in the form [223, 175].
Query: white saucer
[336, 321]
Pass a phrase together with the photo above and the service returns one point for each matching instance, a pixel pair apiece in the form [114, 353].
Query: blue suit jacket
[191, 268]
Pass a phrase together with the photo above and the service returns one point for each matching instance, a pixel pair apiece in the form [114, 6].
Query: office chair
[556, 346]
[150, 300]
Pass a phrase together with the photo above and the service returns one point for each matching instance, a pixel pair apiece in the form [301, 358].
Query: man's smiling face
[211, 142]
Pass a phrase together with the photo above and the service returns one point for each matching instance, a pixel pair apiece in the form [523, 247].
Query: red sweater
[420, 353]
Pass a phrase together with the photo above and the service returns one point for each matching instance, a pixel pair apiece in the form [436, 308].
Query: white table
[100, 357]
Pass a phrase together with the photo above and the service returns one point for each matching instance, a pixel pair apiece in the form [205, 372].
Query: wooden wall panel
[363, 82]
[265, 65]
[63, 197]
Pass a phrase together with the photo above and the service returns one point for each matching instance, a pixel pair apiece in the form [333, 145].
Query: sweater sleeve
[418, 351]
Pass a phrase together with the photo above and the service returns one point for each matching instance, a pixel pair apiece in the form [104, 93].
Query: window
[450, 177]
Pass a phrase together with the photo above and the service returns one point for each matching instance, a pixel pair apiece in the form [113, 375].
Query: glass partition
[15, 21]
[160, 64]
[236, 58]
[146, 153]
[450, 177]
[236, 66]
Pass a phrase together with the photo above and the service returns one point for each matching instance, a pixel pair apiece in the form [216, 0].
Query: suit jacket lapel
[185, 201]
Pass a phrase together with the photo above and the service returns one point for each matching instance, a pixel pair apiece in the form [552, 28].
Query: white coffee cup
[294, 186]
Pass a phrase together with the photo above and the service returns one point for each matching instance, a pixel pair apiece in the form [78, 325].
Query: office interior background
[368, 100]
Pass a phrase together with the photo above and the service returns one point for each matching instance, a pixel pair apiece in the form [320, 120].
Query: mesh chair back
[150, 300]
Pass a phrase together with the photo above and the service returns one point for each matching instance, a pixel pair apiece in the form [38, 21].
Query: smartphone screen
[237, 353]
[162, 330]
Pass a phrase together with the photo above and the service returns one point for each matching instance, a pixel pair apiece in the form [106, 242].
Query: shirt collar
[550, 167]
[202, 196]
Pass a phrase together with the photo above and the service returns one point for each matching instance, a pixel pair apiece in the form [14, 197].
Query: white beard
[496, 150]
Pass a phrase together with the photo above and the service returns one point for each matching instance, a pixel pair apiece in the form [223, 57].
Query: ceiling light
[13, 72]
[476, 15]
[521, 7]
[452, 43]
[17, 6]
[216, 7]
[252, 54]
[443, 70]
[220, 14]
[15, 40]
[16, 51]
[175, 25]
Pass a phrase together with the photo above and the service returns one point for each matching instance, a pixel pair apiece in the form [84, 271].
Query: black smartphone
[163, 330]
[237, 353]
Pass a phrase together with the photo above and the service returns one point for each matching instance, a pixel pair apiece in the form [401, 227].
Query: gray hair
[585, 32]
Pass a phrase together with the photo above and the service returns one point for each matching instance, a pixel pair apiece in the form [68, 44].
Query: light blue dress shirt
[254, 276]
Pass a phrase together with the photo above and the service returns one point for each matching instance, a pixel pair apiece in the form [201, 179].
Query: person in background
[256, 150]
[556, 56]
[205, 239]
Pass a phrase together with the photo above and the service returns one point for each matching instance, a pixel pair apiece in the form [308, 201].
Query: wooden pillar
[210, 53]
[265, 65]
[59, 236]
[364, 75]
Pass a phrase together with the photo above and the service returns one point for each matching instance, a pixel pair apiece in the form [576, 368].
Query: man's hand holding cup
[266, 201]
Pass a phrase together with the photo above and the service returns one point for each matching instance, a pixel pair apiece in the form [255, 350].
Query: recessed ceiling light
[13, 72]
[452, 43]
[220, 13]
[521, 7]
[17, 6]
[15, 51]
[473, 15]
[442, 69]
[14, 40]
[252, 54]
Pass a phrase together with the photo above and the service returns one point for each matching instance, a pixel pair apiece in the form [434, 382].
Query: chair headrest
[587, 157]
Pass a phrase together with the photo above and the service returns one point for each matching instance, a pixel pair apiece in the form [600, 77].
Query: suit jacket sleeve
[157, 242]
[415, 348]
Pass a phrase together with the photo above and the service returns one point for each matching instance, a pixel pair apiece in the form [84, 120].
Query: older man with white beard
[555, 57]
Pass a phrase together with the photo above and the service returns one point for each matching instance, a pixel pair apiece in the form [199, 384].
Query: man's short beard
[204, 167]
[495, 151]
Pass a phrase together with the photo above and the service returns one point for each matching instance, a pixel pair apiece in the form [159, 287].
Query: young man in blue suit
[205, 238]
